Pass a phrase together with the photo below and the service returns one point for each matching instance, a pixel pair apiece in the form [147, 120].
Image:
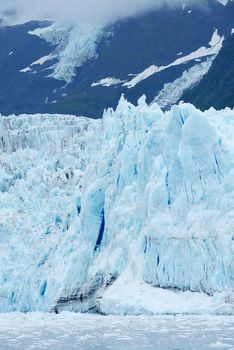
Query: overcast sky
[19, 11]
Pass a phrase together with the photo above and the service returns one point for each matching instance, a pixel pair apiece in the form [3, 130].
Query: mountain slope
[218, 84]
[80, 69]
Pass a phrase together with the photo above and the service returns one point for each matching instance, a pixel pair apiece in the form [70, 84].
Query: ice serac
[137, 220]
[43, 158]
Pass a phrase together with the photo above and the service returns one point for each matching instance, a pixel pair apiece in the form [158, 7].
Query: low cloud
[19, 11]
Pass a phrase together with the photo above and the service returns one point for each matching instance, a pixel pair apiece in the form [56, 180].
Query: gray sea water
[69, 331]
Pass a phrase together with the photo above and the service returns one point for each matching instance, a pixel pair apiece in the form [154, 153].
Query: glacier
[131, 214]
[172, 92]
[188, 79]
[74, 44]
[215, 45]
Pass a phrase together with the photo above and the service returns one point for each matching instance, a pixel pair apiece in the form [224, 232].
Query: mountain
[81, 69]
[218, 83]
[130, 214]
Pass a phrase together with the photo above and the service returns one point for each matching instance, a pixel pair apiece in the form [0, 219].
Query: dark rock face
[135, 44]
[85, 299]
[19, 92]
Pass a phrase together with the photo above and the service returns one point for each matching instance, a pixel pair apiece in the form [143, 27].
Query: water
[69, 331]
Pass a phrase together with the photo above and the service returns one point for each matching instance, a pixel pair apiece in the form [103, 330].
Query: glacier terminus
[131, 214]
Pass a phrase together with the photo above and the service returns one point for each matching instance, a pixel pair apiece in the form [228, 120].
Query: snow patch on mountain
[107, 82]
[40, 62]
[172, 92]
[215, 46]
[92, 211]
[223, 2]
[25, 70]
[44, 59]
[74, 44]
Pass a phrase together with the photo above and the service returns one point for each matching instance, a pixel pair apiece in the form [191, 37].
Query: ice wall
[147, 201]
[42, 161]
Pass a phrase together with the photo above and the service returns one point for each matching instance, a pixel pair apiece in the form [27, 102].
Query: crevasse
[130, 214]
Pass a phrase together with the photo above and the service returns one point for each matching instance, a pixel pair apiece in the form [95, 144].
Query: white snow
[44, 59]
[25, 70]
[106, 213]
[172, 92]
[107, 82]
[215, 46]
[73, 43]
[40, 61]
[41, 31]
[215, 40]
[223, 2]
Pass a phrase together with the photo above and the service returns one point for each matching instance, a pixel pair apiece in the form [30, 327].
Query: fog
[20, 11]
